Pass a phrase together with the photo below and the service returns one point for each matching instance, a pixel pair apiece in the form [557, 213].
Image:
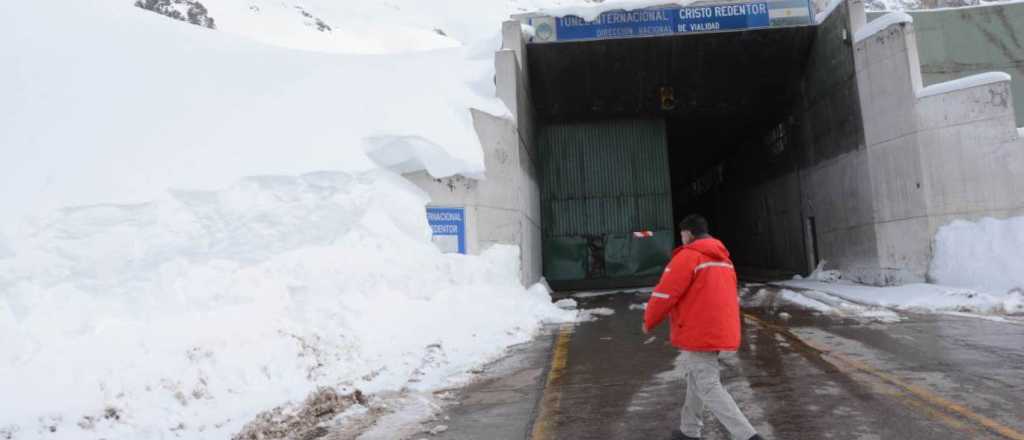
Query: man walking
[698, 294]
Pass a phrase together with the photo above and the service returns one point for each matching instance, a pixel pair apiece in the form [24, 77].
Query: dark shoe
[756, 437]
[678, 435]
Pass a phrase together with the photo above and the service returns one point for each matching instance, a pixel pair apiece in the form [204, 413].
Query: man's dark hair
[696, 224]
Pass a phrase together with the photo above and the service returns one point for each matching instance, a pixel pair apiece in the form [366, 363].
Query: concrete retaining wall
[503, 208]
[954, 43]
[932, 159]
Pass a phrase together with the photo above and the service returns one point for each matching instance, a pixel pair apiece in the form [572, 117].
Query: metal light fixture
[667, 96]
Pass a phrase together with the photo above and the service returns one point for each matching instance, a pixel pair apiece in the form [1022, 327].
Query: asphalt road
[806, 377]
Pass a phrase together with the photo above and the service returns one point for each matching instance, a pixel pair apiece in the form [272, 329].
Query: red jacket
[698, 293]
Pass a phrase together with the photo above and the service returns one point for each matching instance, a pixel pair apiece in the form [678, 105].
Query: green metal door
[601, 184]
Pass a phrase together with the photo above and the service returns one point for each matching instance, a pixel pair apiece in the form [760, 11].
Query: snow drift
[920, 297]
[189, 314]
[129, 310]
[104, 102]
[987, 254]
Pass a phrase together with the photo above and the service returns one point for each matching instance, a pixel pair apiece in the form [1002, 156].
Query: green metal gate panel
[601, 182]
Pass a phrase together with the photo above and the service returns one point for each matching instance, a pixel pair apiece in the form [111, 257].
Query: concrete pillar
[512, 38]
[504, 208]
[858, 15]
[506, 77]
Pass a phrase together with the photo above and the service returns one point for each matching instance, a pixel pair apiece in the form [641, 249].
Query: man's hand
[643, 328]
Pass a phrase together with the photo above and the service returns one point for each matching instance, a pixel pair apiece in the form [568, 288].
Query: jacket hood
[710, 247]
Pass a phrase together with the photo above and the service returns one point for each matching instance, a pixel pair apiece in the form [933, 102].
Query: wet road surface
[810, 376]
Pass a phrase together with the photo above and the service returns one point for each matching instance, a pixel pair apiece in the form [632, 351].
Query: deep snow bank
[104, 102]
[131, 312]
[987, 255]
[976, 267]
[187, 315]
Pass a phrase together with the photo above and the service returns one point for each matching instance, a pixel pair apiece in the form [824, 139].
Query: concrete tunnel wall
[878, 165]
[954, 43]
[818, 172]
[880, 187]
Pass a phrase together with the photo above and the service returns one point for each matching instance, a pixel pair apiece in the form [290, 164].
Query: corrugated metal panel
[609, 177]
[601, 182]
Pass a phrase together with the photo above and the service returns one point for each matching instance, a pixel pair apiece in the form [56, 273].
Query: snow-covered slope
[168, 265]
[186, 316]
[113, 103]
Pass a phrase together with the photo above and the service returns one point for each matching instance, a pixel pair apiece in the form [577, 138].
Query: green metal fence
[601, 183]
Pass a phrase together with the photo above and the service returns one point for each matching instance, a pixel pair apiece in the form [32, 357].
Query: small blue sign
[449, 228]
[666, 21]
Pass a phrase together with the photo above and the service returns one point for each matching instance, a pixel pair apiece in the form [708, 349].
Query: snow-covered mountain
[191, 11]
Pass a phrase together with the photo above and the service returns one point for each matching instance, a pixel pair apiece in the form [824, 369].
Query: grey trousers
[704, 390]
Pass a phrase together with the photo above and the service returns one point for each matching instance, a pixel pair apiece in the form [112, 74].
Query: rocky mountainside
[191, 11]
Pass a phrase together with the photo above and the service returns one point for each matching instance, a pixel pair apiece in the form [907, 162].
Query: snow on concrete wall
[504, 206]
[986, 254]
[958, 42]
[939, 154]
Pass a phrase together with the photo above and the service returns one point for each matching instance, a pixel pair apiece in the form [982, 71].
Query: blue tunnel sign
[448, 226]
[670, 20]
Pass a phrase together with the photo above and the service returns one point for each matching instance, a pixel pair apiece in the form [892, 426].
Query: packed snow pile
[594, 314]
[188, 315]
[987, 255]
[815, 301]
[132, 311]
[976, 268]
[567, 304]
[822, 274]
[928, 298]
[110, 103]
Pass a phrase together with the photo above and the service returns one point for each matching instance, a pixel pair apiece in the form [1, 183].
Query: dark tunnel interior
[729, 107]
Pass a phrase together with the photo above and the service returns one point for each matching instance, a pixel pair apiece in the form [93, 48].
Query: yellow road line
[551, 398]
[925, 395]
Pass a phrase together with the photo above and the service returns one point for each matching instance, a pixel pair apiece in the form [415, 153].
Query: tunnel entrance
[634, 134]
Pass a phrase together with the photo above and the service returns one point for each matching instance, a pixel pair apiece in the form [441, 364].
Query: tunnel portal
[635, 133]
